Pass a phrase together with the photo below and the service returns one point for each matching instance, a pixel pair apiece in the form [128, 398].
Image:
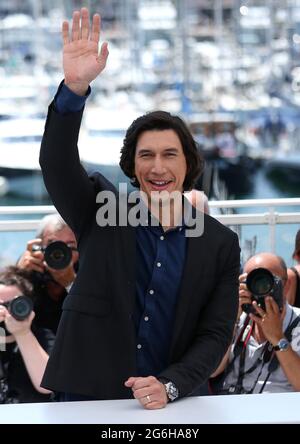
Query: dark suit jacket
[95, 349]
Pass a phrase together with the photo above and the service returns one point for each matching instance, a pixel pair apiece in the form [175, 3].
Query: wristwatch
[171, 390]
[282, 345]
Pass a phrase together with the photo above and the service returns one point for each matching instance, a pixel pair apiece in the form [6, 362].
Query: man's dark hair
[17, 277]
[161, 120]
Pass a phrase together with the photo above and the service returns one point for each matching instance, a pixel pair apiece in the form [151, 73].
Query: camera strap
[269, 356]
[262, 359]
[239, 350]
[266, 356]
[241, 341]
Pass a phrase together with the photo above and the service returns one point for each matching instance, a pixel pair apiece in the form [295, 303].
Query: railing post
[272, 227]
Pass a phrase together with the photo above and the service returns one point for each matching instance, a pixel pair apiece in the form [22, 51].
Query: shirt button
[158, 264]
[151, 291]
[146, 318]
[139, 346]
[162, 237]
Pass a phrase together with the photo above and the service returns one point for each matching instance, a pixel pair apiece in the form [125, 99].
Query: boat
[216, 135]
[101, 140]
[20, 141]
[286, 166]
[3, 186]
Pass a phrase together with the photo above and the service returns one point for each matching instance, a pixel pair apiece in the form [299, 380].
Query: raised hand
[244, 294]
[82, 62]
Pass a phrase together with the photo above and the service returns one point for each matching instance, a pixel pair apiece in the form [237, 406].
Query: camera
[261, 283]
[57, 255]
[20, 307]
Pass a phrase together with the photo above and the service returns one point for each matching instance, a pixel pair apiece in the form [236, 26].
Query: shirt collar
[153, 223]
[289, 316]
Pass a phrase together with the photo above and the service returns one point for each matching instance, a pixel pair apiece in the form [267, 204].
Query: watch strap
[282, 345]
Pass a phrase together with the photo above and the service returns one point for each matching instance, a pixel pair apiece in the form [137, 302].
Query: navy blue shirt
[160, 261]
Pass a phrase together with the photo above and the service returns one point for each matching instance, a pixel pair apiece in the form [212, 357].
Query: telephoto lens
[260, 282]
[58, 255]
[20, 307]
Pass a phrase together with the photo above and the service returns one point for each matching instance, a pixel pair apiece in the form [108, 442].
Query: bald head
[275, 264]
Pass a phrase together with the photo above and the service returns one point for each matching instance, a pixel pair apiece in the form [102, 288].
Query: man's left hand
[271, 320]
[150, 392]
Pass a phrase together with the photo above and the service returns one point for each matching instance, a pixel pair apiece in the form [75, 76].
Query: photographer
[50, 285]
[293, 295]
[264, 356]
[24, 347]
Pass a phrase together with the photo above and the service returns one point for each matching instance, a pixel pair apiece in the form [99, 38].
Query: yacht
[20, 141]
[286, 165]
[101, 140]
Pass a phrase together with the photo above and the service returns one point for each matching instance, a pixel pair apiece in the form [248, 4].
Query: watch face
[283, 344]
[171, 390]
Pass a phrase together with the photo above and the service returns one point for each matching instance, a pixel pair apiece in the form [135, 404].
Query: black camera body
[57, 255]
[19, 307]
[261, 283]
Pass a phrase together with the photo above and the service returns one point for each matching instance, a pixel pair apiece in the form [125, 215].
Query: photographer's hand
[32, 260]
[271, 320]
[3, 313]
[18, 328]
[34, 356]
[244, 294]
[63, 277]
[82, 62]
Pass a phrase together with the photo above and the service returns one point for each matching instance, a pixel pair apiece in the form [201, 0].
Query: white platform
[235, 409]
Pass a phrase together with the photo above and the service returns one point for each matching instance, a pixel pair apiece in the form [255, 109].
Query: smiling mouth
[159, 184]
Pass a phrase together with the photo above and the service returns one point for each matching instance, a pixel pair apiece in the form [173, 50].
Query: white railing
[269, 215]
[23, 224]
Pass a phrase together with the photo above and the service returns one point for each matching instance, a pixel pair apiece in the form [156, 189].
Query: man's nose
[158, 166]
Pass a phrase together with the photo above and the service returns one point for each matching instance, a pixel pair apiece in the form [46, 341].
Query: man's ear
[288, 282]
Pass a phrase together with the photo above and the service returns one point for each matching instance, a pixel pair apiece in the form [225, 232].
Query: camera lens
[58, 255]
[20, 307]
[260, 282]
